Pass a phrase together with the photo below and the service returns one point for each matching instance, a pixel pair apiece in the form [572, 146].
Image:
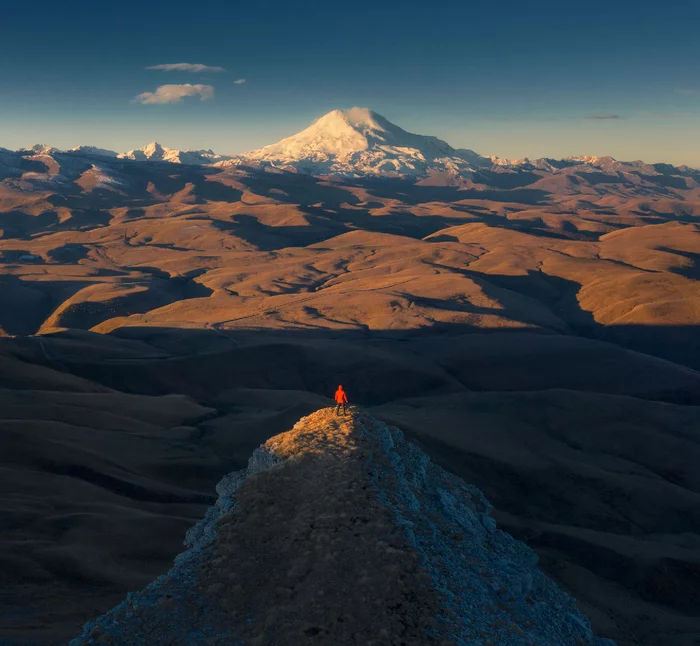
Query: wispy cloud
[239, 81]
[197, 68]
[603, 117]
[688, 91]
[175, 93]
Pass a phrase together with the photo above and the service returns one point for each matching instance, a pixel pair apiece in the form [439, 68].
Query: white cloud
[239, 81]
[186, 67]
[174, 93]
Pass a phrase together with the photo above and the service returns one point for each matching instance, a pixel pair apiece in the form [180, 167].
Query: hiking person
[340, 398]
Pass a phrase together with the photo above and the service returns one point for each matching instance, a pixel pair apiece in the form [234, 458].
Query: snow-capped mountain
[155, 152]
[341, 133]
[360, 142]
[40, 149]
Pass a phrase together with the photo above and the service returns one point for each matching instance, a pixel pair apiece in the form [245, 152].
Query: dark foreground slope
[111, 447]
[341, 532]
[604, 488]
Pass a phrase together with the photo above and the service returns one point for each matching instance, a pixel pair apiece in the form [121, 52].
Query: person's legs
[337, 408]
[345, 408]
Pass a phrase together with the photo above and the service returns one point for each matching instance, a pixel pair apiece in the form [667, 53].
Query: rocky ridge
[340, 531]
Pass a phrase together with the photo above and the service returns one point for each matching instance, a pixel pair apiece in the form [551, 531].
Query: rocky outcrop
[342, 532]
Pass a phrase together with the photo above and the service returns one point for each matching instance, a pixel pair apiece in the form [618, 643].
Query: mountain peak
[357, 118]
[42, 149]
[152, 152]
[373, 127]
[153, 147]
[343, 529]
[359, 141]
[339, 133]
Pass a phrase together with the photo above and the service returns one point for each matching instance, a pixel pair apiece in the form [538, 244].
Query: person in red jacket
[340, 398]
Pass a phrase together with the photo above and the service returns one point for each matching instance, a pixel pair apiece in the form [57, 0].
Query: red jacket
[340, 396]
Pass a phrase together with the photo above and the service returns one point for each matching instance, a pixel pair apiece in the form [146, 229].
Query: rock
[341, 531]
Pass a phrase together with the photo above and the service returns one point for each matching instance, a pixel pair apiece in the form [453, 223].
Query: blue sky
[509, 78]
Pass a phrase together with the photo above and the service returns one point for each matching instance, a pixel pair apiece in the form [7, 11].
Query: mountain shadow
[588, 452]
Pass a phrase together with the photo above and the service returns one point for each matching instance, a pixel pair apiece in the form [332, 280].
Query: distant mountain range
[359, 143]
